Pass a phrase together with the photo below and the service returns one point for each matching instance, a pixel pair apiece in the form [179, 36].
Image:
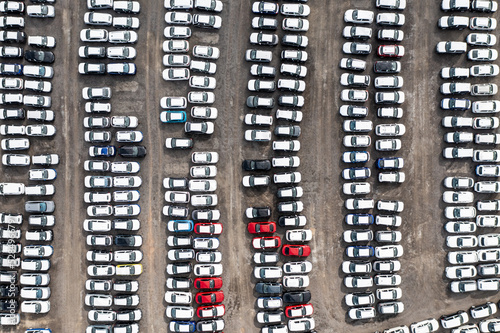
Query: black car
[298, 297]
[254, 165]
[132, 151]
[269, 288]
[12, 36]
[7, 292]
[8, 305]
[387, 67]
[39, 56]
[125, 240]
[261, 212]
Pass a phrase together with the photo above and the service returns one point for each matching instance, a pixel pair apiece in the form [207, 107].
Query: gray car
[39, 206]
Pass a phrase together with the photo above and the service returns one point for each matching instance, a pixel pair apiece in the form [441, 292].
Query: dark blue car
[11, 69]
[182, 326]
[102, 151]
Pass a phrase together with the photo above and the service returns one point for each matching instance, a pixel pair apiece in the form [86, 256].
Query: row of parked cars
[36, 254]
[283, 303]
[198, 69]
[465, 223]
[203, 248]
[458, 322]
[114, 253]
[359, 264]
[121, 54]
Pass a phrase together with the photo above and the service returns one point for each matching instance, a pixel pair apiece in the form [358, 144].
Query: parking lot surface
[424, 287]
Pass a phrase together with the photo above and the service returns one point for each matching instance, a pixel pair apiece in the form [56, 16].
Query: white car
[460, 212]
[42, 41]
[201, 200]
[462, 257]
[175, 46]
[483, 311]
[461, 241]
[132, 7]
[125, 167]
[453, 22]
[488, 205]
[454, 320]
[481, 39]
[124, 121]
[460, 227]
[393, 19]
[94, 35]
[459, 197]
[356, 188]
[487, 187]
[36, 307]
[96, 18]
[491, 106]
[488, 221]
[206, 52]
[40, 10]
[362, 281]
[122, 37]
[298, 235]
[352, 95]
[177, 32]
[388, 251]
[488, 170]
[362, 313]
[355, 204]
[97, 225]
[390, 205]
[38, 71]
[358, 16]
[126, 22]
[209, 5]
[390, 130]
[388, 236]
[460, 272]
[388, 220]
[178, 297]
[179, 18]
[295, 24]
[484, 89]
[451, 47]
[482, 55]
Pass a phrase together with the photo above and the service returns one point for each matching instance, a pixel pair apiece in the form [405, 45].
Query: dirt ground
[424, 287]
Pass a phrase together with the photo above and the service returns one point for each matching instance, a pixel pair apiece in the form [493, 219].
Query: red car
[296, 250]
[210, 297]
[264, 243]
[208, 283]
[296, 311]
[261, 227]
[393, 51]
[211, 311]
[208, 228]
